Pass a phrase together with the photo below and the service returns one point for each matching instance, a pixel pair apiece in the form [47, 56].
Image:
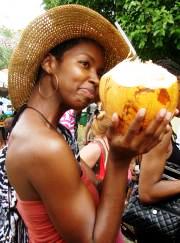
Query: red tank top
[34, 214]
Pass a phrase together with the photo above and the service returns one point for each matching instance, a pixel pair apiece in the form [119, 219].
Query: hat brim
[52, 28]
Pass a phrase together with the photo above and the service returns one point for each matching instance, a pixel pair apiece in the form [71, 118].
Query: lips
[88, 92]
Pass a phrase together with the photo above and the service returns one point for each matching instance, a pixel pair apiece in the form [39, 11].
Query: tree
[5, 54]
[152, 26]
[7, 42]
[105, 7]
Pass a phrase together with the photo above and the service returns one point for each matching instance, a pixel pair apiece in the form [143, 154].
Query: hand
[137, 141]
[177, 113]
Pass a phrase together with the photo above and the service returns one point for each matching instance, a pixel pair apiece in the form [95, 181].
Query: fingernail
[162, 112]
[142, 112]
[114, 117]
[168, 115]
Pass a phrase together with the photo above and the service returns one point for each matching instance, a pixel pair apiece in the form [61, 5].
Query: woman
[55, 67]
[95, 153]
[152, 189]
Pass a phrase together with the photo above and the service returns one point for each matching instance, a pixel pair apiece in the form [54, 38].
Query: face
[78, 73]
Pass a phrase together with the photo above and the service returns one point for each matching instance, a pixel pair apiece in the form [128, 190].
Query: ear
[48, 64]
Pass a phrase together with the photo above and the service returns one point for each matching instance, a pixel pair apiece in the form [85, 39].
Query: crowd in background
[58, 181]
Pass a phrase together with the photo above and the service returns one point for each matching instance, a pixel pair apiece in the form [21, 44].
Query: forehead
[89, 48]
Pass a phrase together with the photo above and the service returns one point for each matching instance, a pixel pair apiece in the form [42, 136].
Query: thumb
[113, 127]
[115, 120]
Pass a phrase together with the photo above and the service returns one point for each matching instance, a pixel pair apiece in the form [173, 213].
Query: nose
[94, 78]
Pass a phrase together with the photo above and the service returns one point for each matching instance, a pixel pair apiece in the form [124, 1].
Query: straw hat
[54, 27]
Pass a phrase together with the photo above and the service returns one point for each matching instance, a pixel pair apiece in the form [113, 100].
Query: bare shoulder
[90, 153]
[44, 161]
[90, 148]
[51, 148]
[41, 151]
[49, 144]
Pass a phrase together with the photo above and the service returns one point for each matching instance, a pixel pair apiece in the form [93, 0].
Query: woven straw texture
[54, 27]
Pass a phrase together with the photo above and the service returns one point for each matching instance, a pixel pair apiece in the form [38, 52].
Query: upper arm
[90, 154]
[153, 162]
[151, 171]
[56, 178]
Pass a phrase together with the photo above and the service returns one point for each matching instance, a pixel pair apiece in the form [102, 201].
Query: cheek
[72, 75]
[79, 73]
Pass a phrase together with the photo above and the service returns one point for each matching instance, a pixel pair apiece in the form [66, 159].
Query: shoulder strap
[101, 161]
[171, 171]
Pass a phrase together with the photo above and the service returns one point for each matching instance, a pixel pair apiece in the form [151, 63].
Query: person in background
[90, 110]
[70, 120]
[1, 108]
[152, 187]
[95, 153]
[93, 111]
[174, 68]
[56, 67]
[170, 65]
[88, 134]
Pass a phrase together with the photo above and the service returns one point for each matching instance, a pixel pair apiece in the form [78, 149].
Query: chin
[81, 104]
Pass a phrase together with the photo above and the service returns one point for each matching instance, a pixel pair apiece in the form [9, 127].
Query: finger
[164, 126]
[146, 149]
[156, 139]
[114, 125]
[164, 140]
[165, 137]
[176, 113]
[136, 124]
[115, 120]
[158, 122]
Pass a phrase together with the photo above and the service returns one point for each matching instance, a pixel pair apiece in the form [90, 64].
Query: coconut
[132, 85]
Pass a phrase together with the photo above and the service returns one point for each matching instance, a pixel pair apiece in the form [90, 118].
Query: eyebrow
[93, 60]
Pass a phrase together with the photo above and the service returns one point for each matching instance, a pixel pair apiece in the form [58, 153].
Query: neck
[43, 117]
[52, 108]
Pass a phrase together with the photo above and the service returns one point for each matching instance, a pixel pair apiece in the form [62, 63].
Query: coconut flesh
[132, 85]
[136, 73]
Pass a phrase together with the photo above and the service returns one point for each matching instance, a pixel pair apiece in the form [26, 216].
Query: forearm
[160, 191]
[112, 201]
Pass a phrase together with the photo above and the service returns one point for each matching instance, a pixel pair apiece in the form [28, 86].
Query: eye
[85, 64]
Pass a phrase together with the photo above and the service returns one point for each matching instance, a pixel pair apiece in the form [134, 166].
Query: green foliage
[105, 7]
[152, 26]
[6, 32]
[6, 37]
[5, 54]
